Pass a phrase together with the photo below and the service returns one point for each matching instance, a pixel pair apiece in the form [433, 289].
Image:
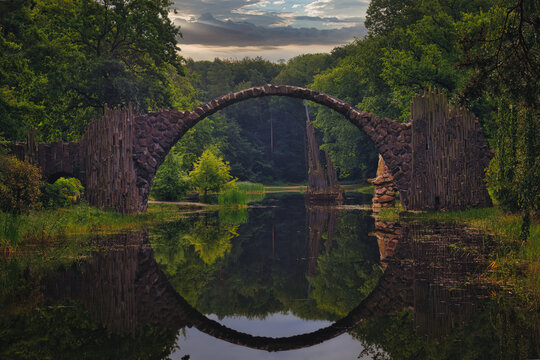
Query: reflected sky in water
[203, 346]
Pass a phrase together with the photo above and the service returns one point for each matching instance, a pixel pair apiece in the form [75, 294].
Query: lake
[278, 280]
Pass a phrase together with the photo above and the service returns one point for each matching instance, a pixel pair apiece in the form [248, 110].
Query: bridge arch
[437, 160]
[156, 133]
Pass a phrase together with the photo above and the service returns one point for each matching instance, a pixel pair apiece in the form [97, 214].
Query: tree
[210, 173]
[383, 16]
[501, 48]
[17, 109]
[61, 61]
[170, 183]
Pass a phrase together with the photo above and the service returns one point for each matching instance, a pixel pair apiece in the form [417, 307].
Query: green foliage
[52, 196]
[61, 61]
[211, 239]
[383, 16]
[512, 175]
[241, 193]
[233, 196]
[10, 234]
[500, 47]
[67, 330]
[241, 132]
[170, 183]
[19, 185]
[210, 173]
[72, 188]
[342, 282]
[61, 193]
[249, 274]
[501, 330]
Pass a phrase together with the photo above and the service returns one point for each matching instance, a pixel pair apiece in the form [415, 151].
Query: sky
[202, 346]
[272, 29]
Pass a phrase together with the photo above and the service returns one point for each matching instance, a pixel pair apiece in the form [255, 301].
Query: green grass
[233, 197]
[48, 225]
[514, 264]
[10, 230]
[250, 187]
[367, 189]
[242, 194]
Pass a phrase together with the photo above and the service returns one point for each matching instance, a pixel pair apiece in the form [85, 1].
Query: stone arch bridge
[437, 159]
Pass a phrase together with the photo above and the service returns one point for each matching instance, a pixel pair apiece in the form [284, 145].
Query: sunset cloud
[274, 29]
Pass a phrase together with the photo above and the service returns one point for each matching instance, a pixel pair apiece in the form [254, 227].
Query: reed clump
[241, 194]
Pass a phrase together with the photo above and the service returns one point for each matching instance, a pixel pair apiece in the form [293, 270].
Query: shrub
[170, 183]
[19, 185]
[72, 188]
[52, 196]
[62, 193]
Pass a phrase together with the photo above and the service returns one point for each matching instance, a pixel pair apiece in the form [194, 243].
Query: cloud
[341, 9]
[256, 25]
[271, 53]
[208, 30]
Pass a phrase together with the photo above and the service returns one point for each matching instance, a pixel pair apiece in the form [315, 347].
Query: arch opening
[156, 133]
[53, 177]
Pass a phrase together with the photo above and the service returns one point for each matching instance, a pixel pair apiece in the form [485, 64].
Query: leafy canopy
[210, 173]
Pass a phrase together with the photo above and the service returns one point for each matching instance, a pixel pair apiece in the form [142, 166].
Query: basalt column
[109, 167]
[322, 183]
[449, 156]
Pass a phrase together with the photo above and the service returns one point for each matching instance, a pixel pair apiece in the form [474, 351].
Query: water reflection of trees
[276, 263]
[447, 313]
[346, 270]
[80, 309]
[425, 305]
[116, 302]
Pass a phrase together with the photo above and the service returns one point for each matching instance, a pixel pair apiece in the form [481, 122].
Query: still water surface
[276, 281]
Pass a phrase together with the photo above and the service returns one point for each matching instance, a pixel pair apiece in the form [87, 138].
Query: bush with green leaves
[63, 192]
[52, 196]
[19, 185]
[72, 188]
[170, 183]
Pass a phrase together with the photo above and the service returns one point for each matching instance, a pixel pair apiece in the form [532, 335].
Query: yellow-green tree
[210, 173]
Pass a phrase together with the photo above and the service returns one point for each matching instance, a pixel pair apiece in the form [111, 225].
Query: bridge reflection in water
[427, 268]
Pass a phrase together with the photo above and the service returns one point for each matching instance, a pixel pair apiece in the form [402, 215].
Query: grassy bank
[47, 225]
[364, 189]
[514, 264]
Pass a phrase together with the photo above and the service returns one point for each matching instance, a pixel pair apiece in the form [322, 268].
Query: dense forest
[62, 61]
